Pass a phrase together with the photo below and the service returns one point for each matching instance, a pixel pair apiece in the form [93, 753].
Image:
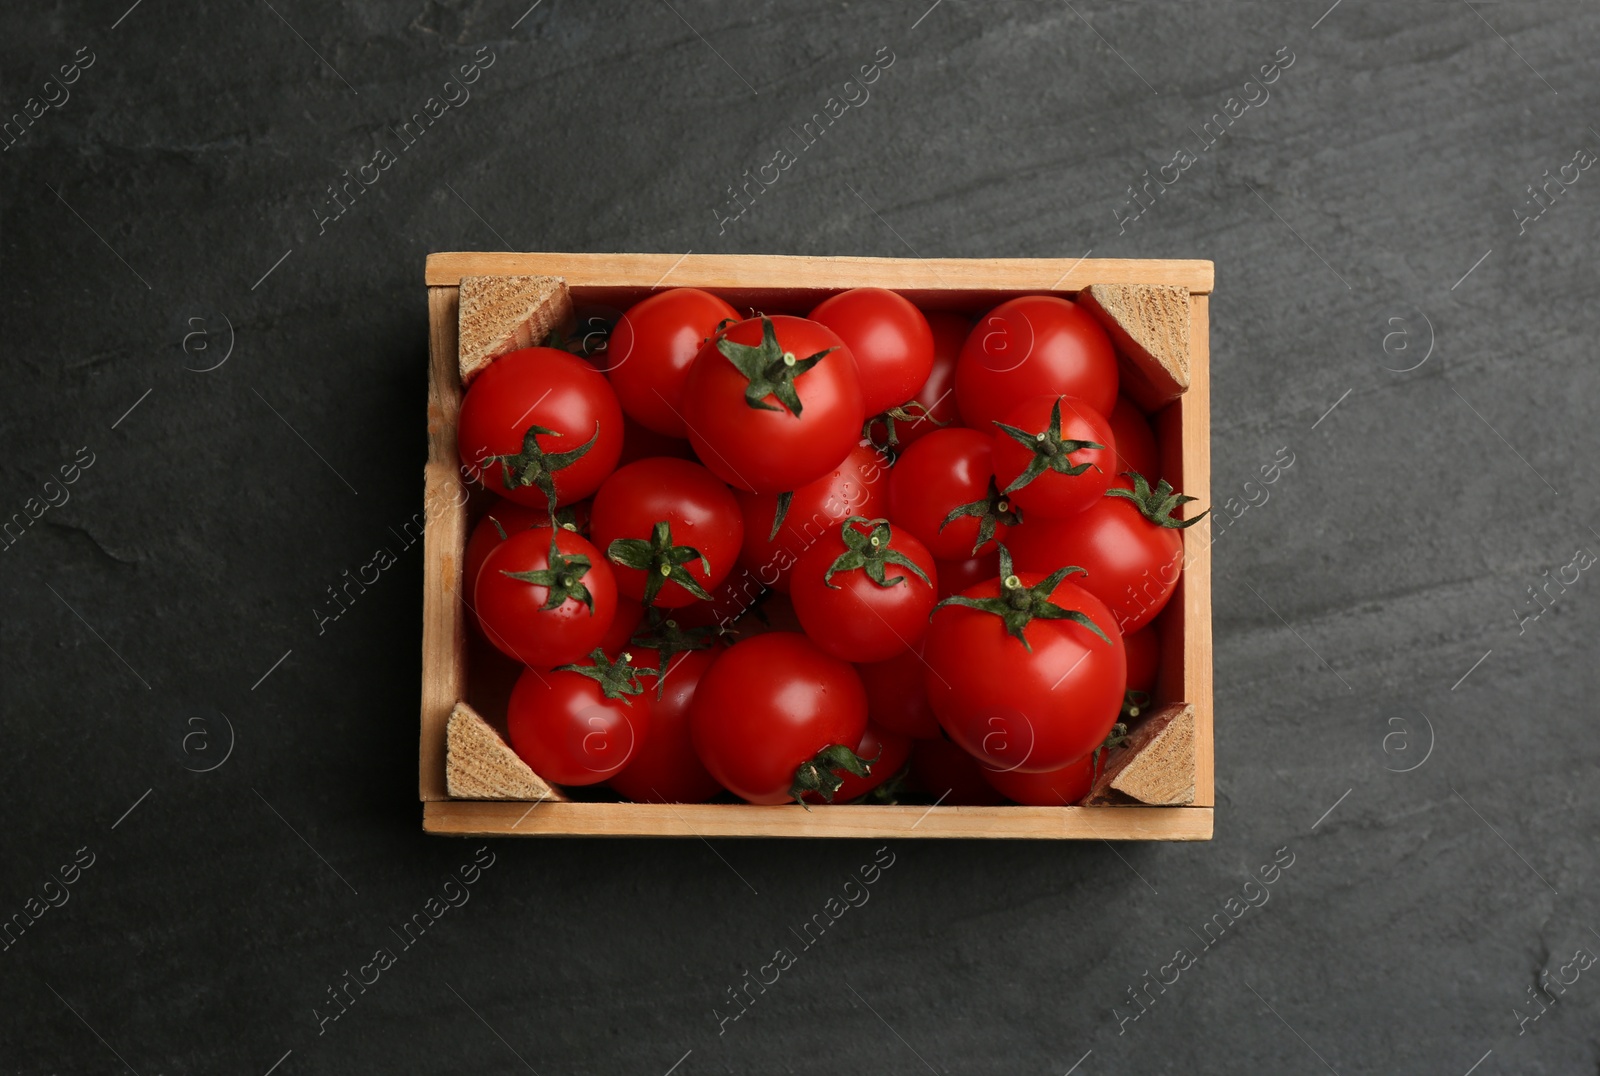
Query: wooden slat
[464, 818]
[782, 273]
[444, 640]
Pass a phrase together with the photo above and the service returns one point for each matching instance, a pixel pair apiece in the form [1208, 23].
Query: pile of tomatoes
[868, 554]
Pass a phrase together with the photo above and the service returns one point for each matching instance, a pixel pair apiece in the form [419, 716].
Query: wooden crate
[1183, 431]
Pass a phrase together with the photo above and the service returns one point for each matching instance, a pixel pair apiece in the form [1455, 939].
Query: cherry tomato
[512, 517]
[566, 727]
[651, 349]
[944, 471]
[1144, 659]
[958, 575]
[863, 592]
[517, 614]
[949, 776]
[623, 624]
[1133, 563]
[642, 443]
[768, 708]
[1136, 442]
[890, 339]
[1043, 461]
[665, 768]
[1057, 788]
[697, 550]
[859, 486]
[888, 752]
[897, 700]
[793, 433]
[540, 388]
[1035, 345]
[1033, 707]
[935, 401]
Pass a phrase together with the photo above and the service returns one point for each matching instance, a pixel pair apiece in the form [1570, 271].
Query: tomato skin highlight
[1016, 709]
[774, 451]
[941, 472]
[510, 610]
[897, 699]
[890, 339]
[1051, 493]
[568, 732]
[854, 618]
[1034, 345]
[700, 509]
[1136, 441]
[1132, 565]
[540, 386]
[1055, 788]
[651, 349]
[665, 768]
[769, 704]
[858, 486]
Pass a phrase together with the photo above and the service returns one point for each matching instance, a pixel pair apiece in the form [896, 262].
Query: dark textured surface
[1393, 555]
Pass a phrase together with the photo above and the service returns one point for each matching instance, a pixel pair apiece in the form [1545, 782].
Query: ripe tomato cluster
[870, 553]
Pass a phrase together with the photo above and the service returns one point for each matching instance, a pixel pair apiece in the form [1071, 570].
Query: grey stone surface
[1391, 559]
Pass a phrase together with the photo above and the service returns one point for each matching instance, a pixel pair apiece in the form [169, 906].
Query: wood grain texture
[782, 273]
[498, 314]
[464, 818]
[444, 539]
[1154, 765]
[479, 765]
[1149, 324]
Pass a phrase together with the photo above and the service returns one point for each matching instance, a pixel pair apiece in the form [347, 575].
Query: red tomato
[864, 591]
[958, 575]
[651, 349]
[890, 339]
[1144, 659]
[623, 624]
[1036, 345]
[897, 700]
[1033, 707]
[796, 431]
[768, 708]
[512, 517]
[1136, 442]
[888, 752]
[857, 487]
[949, 776]
[1042, 457]
[1133, 564]
[517, 614]
[701, 543]
[566, 727]
[944, 471]
[540, 388]
[937, 396]
[665, 768]
[1057, 788]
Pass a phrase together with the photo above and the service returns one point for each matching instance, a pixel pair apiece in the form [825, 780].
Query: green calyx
[770, 369]
[1050, 452]
[780, 513]
[1018, 606]
[533, 466]
[563, 577]
[816, 774]
[667, 639]
[617, 679]
[1156, 505]
[1134, 703]
[871, 552]
[660, 561]
[991, 510]
[1115, 738]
